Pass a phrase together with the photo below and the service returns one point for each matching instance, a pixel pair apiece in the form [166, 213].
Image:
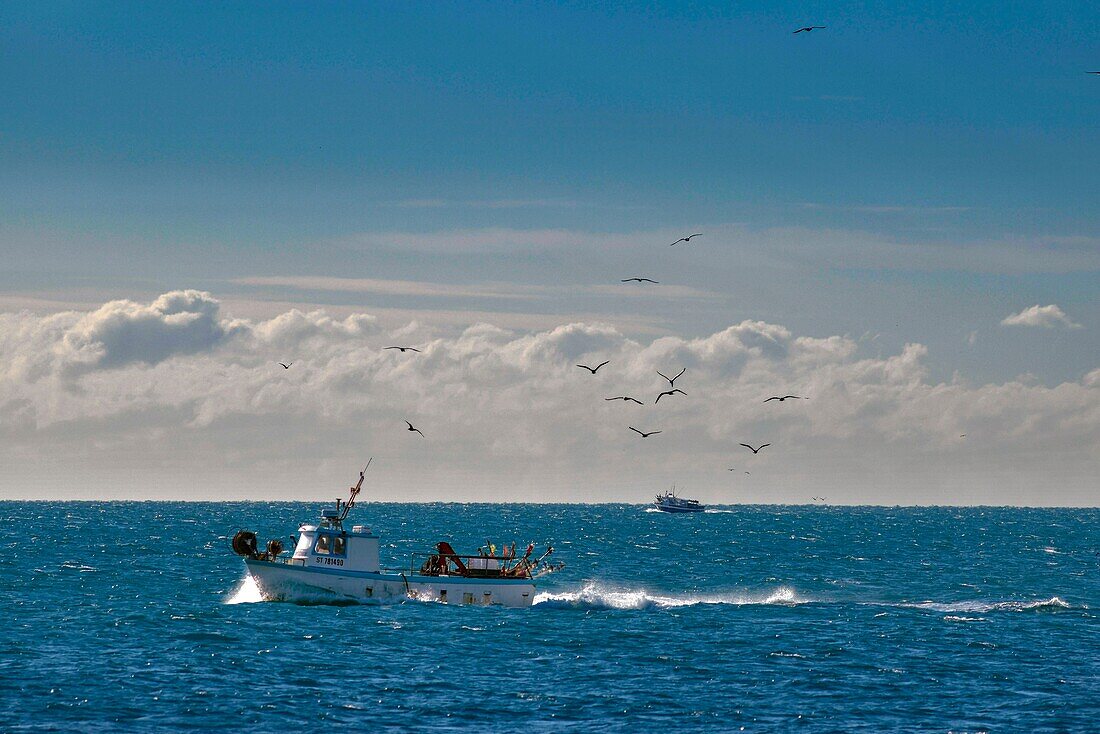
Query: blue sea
[135, 617]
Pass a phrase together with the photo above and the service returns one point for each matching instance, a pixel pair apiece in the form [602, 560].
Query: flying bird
[403, 349]
[594, 369]
[756, 450]
[785, 397]
[415, 430]
[685, 239]
[669, 392]
[808, 28]
[672, 380]
[285, 366]
[624, 398]
[639, 280]
[640, 433]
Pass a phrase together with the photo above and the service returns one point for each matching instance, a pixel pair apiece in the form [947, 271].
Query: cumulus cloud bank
[130, 389]
[1045, 316]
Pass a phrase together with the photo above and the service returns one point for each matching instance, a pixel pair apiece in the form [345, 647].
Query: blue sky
[913, 173]
[238, 139]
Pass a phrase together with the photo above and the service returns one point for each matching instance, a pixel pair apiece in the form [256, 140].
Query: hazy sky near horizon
[899, 213]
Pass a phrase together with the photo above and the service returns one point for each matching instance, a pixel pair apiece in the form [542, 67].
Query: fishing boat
[331, 562]
[669, 502]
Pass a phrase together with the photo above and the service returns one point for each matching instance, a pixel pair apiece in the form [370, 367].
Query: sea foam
[597, 596]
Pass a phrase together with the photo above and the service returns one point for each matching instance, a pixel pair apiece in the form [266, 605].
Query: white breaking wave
[596, 596]
[247, 592]
[990, 606]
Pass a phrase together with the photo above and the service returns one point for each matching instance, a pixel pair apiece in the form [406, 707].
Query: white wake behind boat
[331, 562]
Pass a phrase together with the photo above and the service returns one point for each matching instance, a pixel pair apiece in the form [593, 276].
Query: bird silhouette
[415, 430]
[285, 366]
[594, 369]
[734, 468]
[638, 280]
[785, 397]
[672, 380]
[685, 239]
[642, 434]
[808, 28]
[403, 349]
[669, 392]
[756, 450]
[624, 398]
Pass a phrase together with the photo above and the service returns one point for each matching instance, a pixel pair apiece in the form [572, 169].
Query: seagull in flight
[640, 433]
[638, 280]
[686, 239]
[403, 349]
[756, 450]
[785, 397]
[415, 430]
[669, 392]
[808, 28]
[672, 380]
[625, 398]
[284, 366]
[594, 369]
[734, 468]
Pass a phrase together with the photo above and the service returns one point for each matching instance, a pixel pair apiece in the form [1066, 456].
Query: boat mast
[354, 492]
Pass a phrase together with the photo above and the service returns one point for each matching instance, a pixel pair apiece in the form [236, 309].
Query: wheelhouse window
[330, 545]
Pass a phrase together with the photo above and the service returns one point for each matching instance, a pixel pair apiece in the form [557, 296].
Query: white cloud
[128, 390]
[1045, 316]
[117, 334]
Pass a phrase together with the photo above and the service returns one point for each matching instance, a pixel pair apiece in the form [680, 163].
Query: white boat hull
[280, 581]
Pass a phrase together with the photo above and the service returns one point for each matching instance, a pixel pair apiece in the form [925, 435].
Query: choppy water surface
[134, 617]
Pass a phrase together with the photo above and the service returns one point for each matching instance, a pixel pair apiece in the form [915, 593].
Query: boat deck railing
[472, 566]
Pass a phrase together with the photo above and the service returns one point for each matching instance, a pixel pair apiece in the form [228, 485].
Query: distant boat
[669, 502]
